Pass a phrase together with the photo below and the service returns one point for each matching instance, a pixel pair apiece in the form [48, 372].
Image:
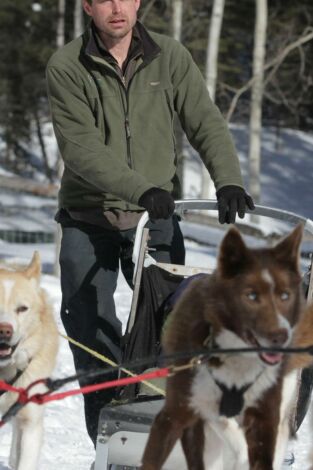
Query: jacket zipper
[126, 122]
[127, 127]
[121, 80]
[126, 114]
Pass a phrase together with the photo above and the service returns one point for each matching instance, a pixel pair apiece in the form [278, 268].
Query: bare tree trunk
[8, 153]
[207, 190]
[256, 99]
[60, 40]
[147, 11]
[274, 64]
[42, 145]
[78, 18]
[179, 133]
[177, 19]
[213, 46]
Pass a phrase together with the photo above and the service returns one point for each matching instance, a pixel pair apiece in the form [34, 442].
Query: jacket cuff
[139, 192]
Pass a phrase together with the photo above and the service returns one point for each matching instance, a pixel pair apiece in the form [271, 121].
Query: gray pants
[89, 262]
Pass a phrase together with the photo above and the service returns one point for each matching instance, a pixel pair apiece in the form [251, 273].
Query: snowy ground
[287, 174]
[286, 168]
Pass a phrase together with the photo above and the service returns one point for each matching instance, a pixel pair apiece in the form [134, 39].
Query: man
[113, 94]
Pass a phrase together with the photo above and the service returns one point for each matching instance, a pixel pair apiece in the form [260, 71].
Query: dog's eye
[252, 296]
[284, 295]
[21, 309]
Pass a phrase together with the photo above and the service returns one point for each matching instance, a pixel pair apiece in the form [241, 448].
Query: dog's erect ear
[34, 268]
[288, 249]
[233, 254]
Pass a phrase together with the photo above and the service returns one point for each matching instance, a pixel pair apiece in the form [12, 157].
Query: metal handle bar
[211, 204]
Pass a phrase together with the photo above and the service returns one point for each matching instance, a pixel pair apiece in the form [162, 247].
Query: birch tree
[211, 76]
[177, 19]
[78, 18]
[257, 98]
[60, 40]
[270, 70]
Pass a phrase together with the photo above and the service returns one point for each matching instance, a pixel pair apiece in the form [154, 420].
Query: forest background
[31, 31]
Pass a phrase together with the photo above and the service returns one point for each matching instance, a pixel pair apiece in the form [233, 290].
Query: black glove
[232, 199]
[158, 203]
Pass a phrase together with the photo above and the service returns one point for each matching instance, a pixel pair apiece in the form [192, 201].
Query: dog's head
[262, 290]
[20, 307]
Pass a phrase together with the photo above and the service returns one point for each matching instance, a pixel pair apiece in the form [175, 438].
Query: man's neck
[118, 48]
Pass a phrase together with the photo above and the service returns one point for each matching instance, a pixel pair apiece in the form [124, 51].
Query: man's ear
[87, 7]
[233, 254]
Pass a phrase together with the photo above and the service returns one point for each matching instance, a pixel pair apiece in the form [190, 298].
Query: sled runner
[124, 426]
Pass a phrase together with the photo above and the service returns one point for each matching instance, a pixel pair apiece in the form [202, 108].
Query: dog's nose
[6, 331]
[279, 337]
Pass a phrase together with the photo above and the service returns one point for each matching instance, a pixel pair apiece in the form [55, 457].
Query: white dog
[28, 349]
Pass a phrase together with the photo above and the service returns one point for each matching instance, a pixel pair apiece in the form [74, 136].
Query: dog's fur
[253, 298]
[28, 350]
[303, 338]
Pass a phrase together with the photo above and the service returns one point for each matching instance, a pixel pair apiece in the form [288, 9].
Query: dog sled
[124, 425]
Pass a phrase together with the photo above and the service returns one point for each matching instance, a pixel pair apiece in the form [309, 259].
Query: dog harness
[232, 400]
[11, 382]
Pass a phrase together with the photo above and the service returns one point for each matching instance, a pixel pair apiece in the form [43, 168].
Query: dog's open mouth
[270, 358]
[6, 350]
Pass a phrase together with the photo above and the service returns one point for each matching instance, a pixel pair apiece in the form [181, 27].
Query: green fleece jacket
[117, 142]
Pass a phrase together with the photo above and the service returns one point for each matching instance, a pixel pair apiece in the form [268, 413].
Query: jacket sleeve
[205, 127]
[81, 143]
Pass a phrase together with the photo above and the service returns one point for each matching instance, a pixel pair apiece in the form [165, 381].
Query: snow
[287, 174]
[286, 169]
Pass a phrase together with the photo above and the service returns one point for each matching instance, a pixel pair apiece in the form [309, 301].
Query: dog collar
[209, 340]
[210, 344]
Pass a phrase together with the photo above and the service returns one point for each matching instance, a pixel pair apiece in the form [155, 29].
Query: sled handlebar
[142, 259]
[182, 206]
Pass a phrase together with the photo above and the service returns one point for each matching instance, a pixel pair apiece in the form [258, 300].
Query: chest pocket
[154, 95]
[150, 85]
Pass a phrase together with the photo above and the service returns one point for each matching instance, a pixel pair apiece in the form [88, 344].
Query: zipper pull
[127, 127]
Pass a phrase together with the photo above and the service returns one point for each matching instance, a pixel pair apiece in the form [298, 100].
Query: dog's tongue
[5, 351]
[271, 358]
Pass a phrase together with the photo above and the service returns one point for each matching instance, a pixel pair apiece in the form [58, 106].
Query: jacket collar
[150, 48]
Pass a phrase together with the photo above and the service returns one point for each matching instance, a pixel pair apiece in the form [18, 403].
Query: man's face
[113, 18]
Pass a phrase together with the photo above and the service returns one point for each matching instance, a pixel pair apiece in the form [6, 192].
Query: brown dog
[254, 298]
